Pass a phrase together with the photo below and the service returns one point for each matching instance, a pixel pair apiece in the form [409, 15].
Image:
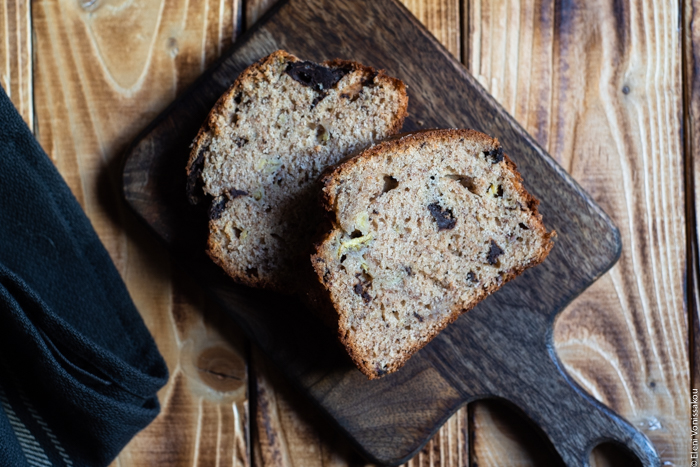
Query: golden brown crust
[332, 174]
[332, 178]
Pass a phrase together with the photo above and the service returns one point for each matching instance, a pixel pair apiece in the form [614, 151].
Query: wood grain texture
[599, 86]
[691, 42]
[255, 9]
[442, 18]
[500, 436]
[499, 349]
[103, 70]
[450, 445]
[524, 85]
[205, 416]
[290, 431]
[16, 56]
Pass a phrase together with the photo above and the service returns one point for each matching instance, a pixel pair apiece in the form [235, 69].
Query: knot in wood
[221, 369]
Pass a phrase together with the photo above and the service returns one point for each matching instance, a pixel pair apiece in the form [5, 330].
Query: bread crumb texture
[425, 227]
[258, 155]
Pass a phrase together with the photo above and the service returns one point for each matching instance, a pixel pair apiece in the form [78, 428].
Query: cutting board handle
[577, 423]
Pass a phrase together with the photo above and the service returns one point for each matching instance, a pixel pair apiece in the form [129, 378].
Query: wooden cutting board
[501, 349]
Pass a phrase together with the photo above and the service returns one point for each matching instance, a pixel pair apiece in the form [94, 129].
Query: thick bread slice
[425, 226]
[262, 148]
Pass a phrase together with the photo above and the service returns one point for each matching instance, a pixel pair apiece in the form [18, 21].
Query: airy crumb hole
[389, 183]
[464, 180]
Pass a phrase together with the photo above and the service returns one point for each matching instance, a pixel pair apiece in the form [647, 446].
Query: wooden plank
[16, 56]
[450, 445]
[598, 84]
[278, 419]
[503, 437]
[691, 58]
[255, 9]
[289, 431]
[441, 17]
[501, 348]
[103, 71]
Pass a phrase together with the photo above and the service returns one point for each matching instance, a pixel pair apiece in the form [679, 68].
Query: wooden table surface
[611, 88]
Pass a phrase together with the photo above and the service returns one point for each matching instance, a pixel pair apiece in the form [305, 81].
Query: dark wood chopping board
[501, 349]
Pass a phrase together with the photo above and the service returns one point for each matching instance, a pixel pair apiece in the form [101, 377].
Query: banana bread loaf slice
[262, 148]
[425, 226]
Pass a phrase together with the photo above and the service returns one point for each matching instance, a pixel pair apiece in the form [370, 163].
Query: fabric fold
[79, 371]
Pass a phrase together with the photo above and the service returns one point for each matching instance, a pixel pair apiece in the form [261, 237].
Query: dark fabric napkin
[79, 370]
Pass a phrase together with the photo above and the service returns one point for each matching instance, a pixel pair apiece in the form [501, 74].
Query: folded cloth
[79, 371]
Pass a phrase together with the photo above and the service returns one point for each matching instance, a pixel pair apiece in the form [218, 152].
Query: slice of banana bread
[425, 226]
[262, 148]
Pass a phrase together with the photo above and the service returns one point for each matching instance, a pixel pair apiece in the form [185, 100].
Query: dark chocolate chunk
[494, 252]
[217, 208]
[193, 189]
[445, 220]
[471, 277]
[496, 155]
[359, 290]
[523, 226]
[218, 205]
[316, 76]
[418, 317]
[233, 193]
